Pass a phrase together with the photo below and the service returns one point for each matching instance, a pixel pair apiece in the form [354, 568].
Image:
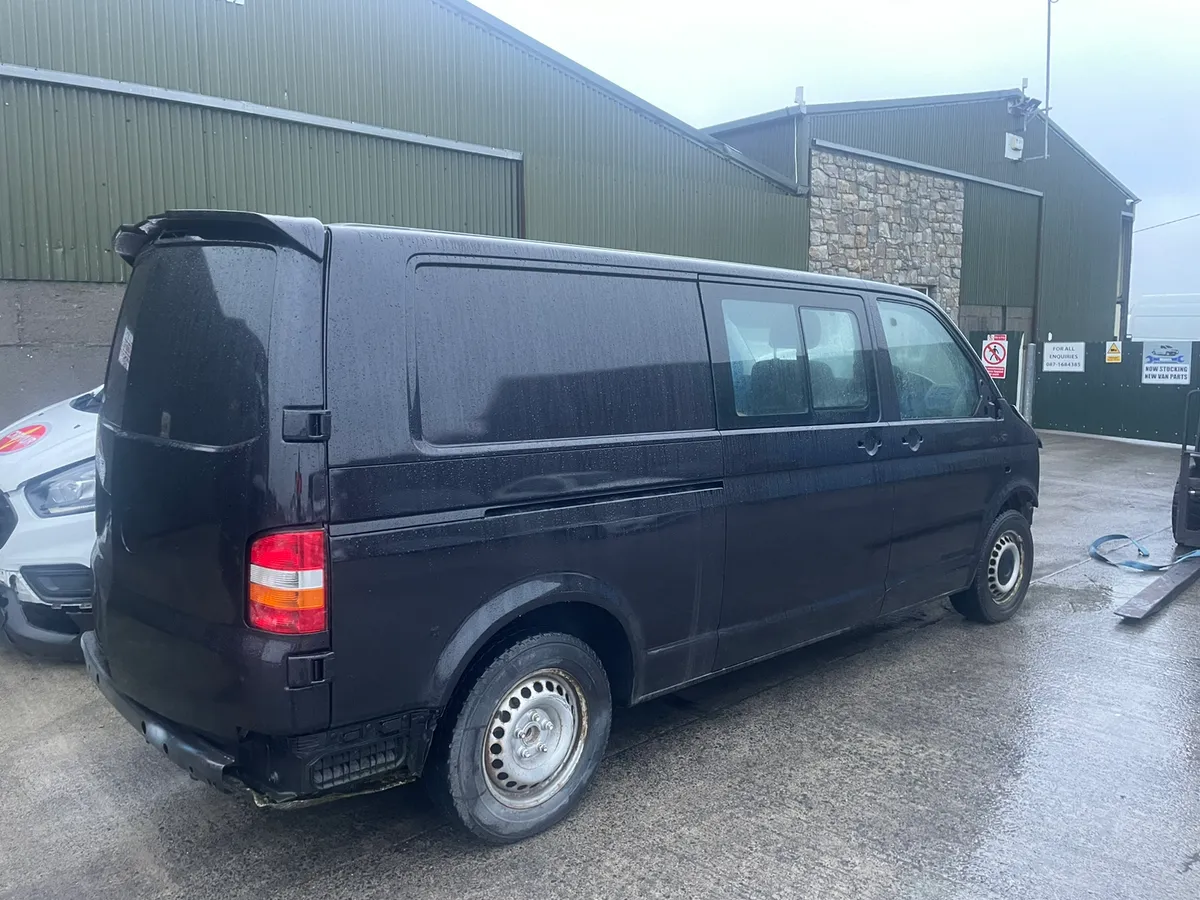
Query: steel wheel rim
[1006, 567]
[535, 738]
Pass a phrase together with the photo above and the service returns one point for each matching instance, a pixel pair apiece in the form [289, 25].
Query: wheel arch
[576, 604]
[1020, 495]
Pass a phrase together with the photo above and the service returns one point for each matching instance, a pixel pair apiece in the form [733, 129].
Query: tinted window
[515, 355]
[189, 356]
[934, 377]
[766, 361]
[835, 358]
[779, 368]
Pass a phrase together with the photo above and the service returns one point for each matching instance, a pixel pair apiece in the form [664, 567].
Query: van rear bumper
[348, 760]
[202, 760]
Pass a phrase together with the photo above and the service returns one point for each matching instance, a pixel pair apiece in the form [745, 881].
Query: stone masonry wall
[886, 223]
[54, 339]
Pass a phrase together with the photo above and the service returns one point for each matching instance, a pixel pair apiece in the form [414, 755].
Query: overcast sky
[1125, 75]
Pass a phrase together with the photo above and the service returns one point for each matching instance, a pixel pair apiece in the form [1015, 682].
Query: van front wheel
[526, 740]
[1005, 568]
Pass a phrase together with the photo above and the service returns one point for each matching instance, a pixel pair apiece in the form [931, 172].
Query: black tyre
[1002, 578]
[525, 739]
[1175, 521]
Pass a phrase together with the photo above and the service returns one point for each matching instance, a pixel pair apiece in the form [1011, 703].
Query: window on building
[928, 290]
[523, 355]
[934, 378]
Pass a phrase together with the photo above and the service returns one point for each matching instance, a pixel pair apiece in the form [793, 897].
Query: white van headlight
[65, 492]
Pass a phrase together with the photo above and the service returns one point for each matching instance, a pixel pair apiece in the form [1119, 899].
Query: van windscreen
[188, 359]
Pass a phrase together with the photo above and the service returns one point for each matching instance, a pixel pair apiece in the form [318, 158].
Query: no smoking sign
[995, 355]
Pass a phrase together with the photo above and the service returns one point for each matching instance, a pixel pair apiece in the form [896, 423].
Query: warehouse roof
[903, 102]
[862, 106]
[619, 93]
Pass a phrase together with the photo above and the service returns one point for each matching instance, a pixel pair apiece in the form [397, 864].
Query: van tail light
[287, 582]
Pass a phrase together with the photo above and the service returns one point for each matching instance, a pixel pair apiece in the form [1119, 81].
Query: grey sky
[1125, 78]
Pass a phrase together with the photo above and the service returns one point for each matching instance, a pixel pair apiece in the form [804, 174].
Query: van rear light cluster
[287, 582]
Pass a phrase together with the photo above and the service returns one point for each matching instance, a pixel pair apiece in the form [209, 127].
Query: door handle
[870, 442]
[912, 440]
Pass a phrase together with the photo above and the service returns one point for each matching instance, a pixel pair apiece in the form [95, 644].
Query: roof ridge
[855, 105]
[614, 90]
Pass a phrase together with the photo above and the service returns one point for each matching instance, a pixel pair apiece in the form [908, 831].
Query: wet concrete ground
[1057, 755]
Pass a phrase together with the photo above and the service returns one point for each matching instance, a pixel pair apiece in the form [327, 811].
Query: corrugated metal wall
[597, 170]
[1082, 225]
[770, 143]
[999, 265]
[81, 162]
[950, 135]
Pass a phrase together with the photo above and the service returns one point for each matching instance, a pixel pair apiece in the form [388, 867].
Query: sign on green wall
[1138, 391]
[1001, 355]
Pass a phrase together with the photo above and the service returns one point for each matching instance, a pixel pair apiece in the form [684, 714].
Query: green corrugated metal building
[427, 113]
[433, 113]
[1048, 232]
[424, 112]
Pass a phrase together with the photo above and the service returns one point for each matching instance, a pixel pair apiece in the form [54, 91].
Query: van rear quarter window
[524, 355]
[188, 361]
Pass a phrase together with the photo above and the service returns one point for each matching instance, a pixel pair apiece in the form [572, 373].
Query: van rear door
[217, 353]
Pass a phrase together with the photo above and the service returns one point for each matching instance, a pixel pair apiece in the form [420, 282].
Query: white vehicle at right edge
[47, 526]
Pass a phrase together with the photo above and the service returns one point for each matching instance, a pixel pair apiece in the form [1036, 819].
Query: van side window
[766, 358]
[835, 358]
[781, 366]
[524, 355]
[934, 378]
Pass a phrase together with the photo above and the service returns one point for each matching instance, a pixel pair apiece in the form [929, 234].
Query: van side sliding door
[512, 434]
[807, 520]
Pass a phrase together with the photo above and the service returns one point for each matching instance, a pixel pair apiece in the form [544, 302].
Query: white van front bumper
[45, 578]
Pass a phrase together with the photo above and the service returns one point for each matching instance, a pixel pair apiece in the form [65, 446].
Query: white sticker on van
[126, 349]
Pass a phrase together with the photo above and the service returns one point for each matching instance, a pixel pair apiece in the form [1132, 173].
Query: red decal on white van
[20, 438]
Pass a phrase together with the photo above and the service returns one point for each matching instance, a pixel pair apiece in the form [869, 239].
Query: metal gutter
[556, 59]
[186, 98]
[864, 106]
[936, 170]
[759, 119]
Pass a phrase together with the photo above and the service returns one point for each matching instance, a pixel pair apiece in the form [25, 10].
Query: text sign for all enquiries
[995, 355]
[1062, 356]
[1112, 352]
[1167, 363]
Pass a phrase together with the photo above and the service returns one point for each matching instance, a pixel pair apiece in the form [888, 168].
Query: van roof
[547, 251]
[304, 233]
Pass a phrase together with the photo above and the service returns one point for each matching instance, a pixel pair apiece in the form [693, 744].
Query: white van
[48, 527]
[1164, 317]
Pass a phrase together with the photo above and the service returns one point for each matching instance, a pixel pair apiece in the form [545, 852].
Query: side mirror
[991, 406]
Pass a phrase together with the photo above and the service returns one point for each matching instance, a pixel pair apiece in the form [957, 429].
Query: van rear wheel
[1004, 571]
[526, 739]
